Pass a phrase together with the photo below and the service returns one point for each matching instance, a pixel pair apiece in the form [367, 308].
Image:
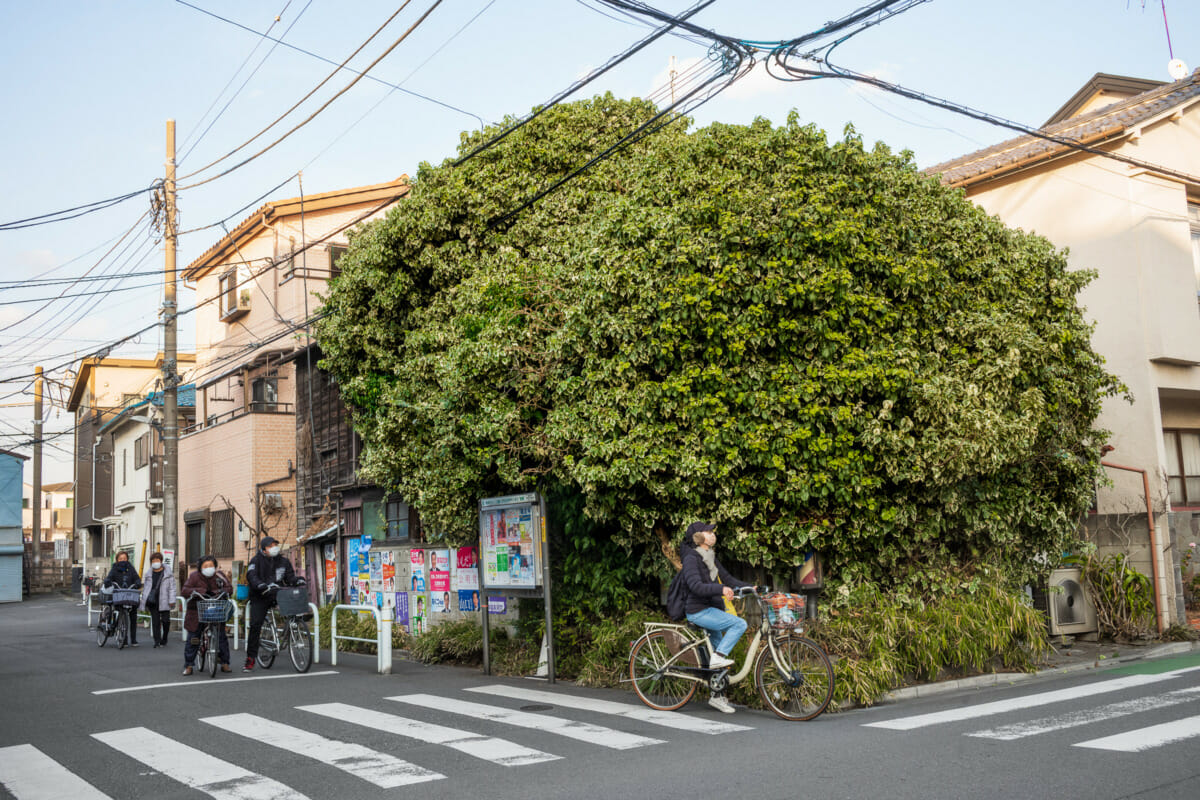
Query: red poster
[466, 558]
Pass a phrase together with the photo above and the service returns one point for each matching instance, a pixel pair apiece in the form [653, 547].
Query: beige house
[257, 288]
[1137, 224]
[101, 389]
[58, 513]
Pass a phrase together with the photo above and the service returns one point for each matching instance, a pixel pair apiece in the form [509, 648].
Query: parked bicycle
[213, 612]
[291, 633]
[791, 672]
[118, 607]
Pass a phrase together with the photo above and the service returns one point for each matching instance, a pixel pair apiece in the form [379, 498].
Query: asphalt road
[86, 723]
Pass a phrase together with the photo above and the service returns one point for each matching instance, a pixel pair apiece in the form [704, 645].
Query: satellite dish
[1177, 69]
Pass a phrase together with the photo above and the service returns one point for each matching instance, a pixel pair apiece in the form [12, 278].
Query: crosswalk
[1135, 739]
[29, 773]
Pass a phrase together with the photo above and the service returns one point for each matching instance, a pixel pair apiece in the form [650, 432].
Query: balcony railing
[252, 408]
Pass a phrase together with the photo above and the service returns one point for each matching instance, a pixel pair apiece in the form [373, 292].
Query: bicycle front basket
[293, 601]
[126, 597]
[213, 610]
[786, 611]
[106, 595]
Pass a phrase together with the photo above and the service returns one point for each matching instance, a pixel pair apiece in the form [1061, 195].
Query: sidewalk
[1079, 656]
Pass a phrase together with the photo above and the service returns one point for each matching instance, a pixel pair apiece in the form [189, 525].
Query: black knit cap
[701, 527]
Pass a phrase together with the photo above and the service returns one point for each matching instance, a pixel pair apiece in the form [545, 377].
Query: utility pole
[170, 377]
[37, 471]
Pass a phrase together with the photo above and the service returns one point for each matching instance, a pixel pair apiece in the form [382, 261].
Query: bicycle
[292, 604]
[792, 673]
[117, 604]
[213, 612]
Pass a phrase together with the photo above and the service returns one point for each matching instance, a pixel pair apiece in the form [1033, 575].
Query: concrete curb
[1009, 678]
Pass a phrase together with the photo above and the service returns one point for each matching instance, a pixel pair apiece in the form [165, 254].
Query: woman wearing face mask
[158, 598]
[206, 581]
[124, 576]
[266, 568]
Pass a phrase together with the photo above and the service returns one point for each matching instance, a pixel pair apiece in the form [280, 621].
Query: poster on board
[417, 562]
[388, 567]
[468, 600]
[510, 538]
[466, 572]
[401, 601]
[419, 624]
[439, 571]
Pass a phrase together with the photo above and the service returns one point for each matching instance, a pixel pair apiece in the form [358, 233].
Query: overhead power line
[72, 213]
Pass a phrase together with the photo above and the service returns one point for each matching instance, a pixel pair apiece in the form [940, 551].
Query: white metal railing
[382, 640]
[316, 633]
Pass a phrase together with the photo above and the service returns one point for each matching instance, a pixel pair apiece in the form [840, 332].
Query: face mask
[273, 551]
[208, 572]
[156, 565]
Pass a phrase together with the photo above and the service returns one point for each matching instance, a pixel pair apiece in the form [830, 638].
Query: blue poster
[402, 608]
[497, 605]
[352, 568]
[468, 599]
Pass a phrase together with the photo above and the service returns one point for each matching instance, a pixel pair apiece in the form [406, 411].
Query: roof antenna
[1175, 67]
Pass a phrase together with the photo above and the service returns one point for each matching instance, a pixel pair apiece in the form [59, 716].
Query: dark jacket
[197, 584]
[123, 575]
[702, 592]
[264, 570]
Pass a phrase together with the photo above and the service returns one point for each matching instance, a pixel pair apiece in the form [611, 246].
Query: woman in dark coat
[124, 576]
[206, 581]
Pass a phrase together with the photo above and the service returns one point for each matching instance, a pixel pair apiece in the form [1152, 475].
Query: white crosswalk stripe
[668, 719]
[216, 778]
[487, 748]
[1148, 738]
[1088, 716]
[378, 768]
[593, 734]
[1020, 703]
[30, 774]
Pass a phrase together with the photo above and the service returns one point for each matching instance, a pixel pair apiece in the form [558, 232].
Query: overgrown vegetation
[1124, 597]
[808, 341]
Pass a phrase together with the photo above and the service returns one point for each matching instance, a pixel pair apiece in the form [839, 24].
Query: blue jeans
[729, 627]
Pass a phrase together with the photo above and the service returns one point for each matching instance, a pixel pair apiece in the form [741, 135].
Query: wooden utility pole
[37, 470]
[170, 376]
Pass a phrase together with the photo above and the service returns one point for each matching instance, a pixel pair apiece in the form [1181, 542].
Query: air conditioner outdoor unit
[1071, 611]
[272, 501]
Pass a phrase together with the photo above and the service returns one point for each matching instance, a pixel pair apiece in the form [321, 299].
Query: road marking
[1018, 703]
[1088, 716]
[594, 734]
[378, 768]
[668, 719]
[191, 767]
[1147, 738]
[487, 748]
[194, 681]
[30, 774]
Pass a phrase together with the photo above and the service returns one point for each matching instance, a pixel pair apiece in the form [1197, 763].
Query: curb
[1009, 678]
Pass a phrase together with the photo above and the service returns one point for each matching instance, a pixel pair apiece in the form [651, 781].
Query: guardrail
[382, 640]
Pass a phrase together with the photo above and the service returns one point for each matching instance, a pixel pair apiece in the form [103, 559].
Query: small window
[289, 261]
[141, 451]
[24, 502]
[70, 502]
[124, 464]
[264, 394]
[336, 251]
[234, 299]
[1183, 467]
[396, 520]
[1194, 222]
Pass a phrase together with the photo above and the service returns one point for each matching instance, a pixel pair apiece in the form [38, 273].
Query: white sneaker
[720, 704]
[718, 661]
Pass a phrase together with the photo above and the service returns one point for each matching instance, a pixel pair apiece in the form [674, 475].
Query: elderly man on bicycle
[268, 571]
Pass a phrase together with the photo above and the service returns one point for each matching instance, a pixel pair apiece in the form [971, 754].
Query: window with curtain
[1183, 467]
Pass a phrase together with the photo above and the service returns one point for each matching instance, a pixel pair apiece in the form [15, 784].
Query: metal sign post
[514, 557]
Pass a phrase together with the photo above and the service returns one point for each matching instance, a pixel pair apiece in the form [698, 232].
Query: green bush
[1124, 597]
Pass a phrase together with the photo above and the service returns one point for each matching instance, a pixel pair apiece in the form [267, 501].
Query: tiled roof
[1087, 128]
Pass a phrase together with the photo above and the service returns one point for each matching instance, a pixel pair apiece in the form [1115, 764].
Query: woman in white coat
[158, 598]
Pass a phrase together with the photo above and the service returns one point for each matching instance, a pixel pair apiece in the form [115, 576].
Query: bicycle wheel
[300, 645]
[802, 687]
[122, 629]
[655, 688]
[102, 626]
[210, 650]
[268, 643]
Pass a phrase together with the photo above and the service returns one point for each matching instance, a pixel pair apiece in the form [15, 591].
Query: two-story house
[58, 513]
[258, 289]
[1137, 225]
[101, 389]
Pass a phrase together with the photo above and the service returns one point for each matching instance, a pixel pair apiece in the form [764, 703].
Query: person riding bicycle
[208, 582]
[709, 588]
[124, 576]
[267, 572]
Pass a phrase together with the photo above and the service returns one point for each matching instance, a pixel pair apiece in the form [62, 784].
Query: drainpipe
[1153, 536]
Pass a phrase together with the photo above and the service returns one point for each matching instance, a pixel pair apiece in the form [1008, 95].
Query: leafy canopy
[812, 343]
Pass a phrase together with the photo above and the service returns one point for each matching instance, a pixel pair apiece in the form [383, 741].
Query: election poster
[466, 572]
[468, 600]
[417, 560]
[402, 608]
[439, 572]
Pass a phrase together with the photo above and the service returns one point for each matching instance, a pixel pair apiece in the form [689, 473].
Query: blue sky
[89, 86]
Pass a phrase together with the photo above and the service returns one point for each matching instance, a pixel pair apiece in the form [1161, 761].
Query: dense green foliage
[812, 343]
